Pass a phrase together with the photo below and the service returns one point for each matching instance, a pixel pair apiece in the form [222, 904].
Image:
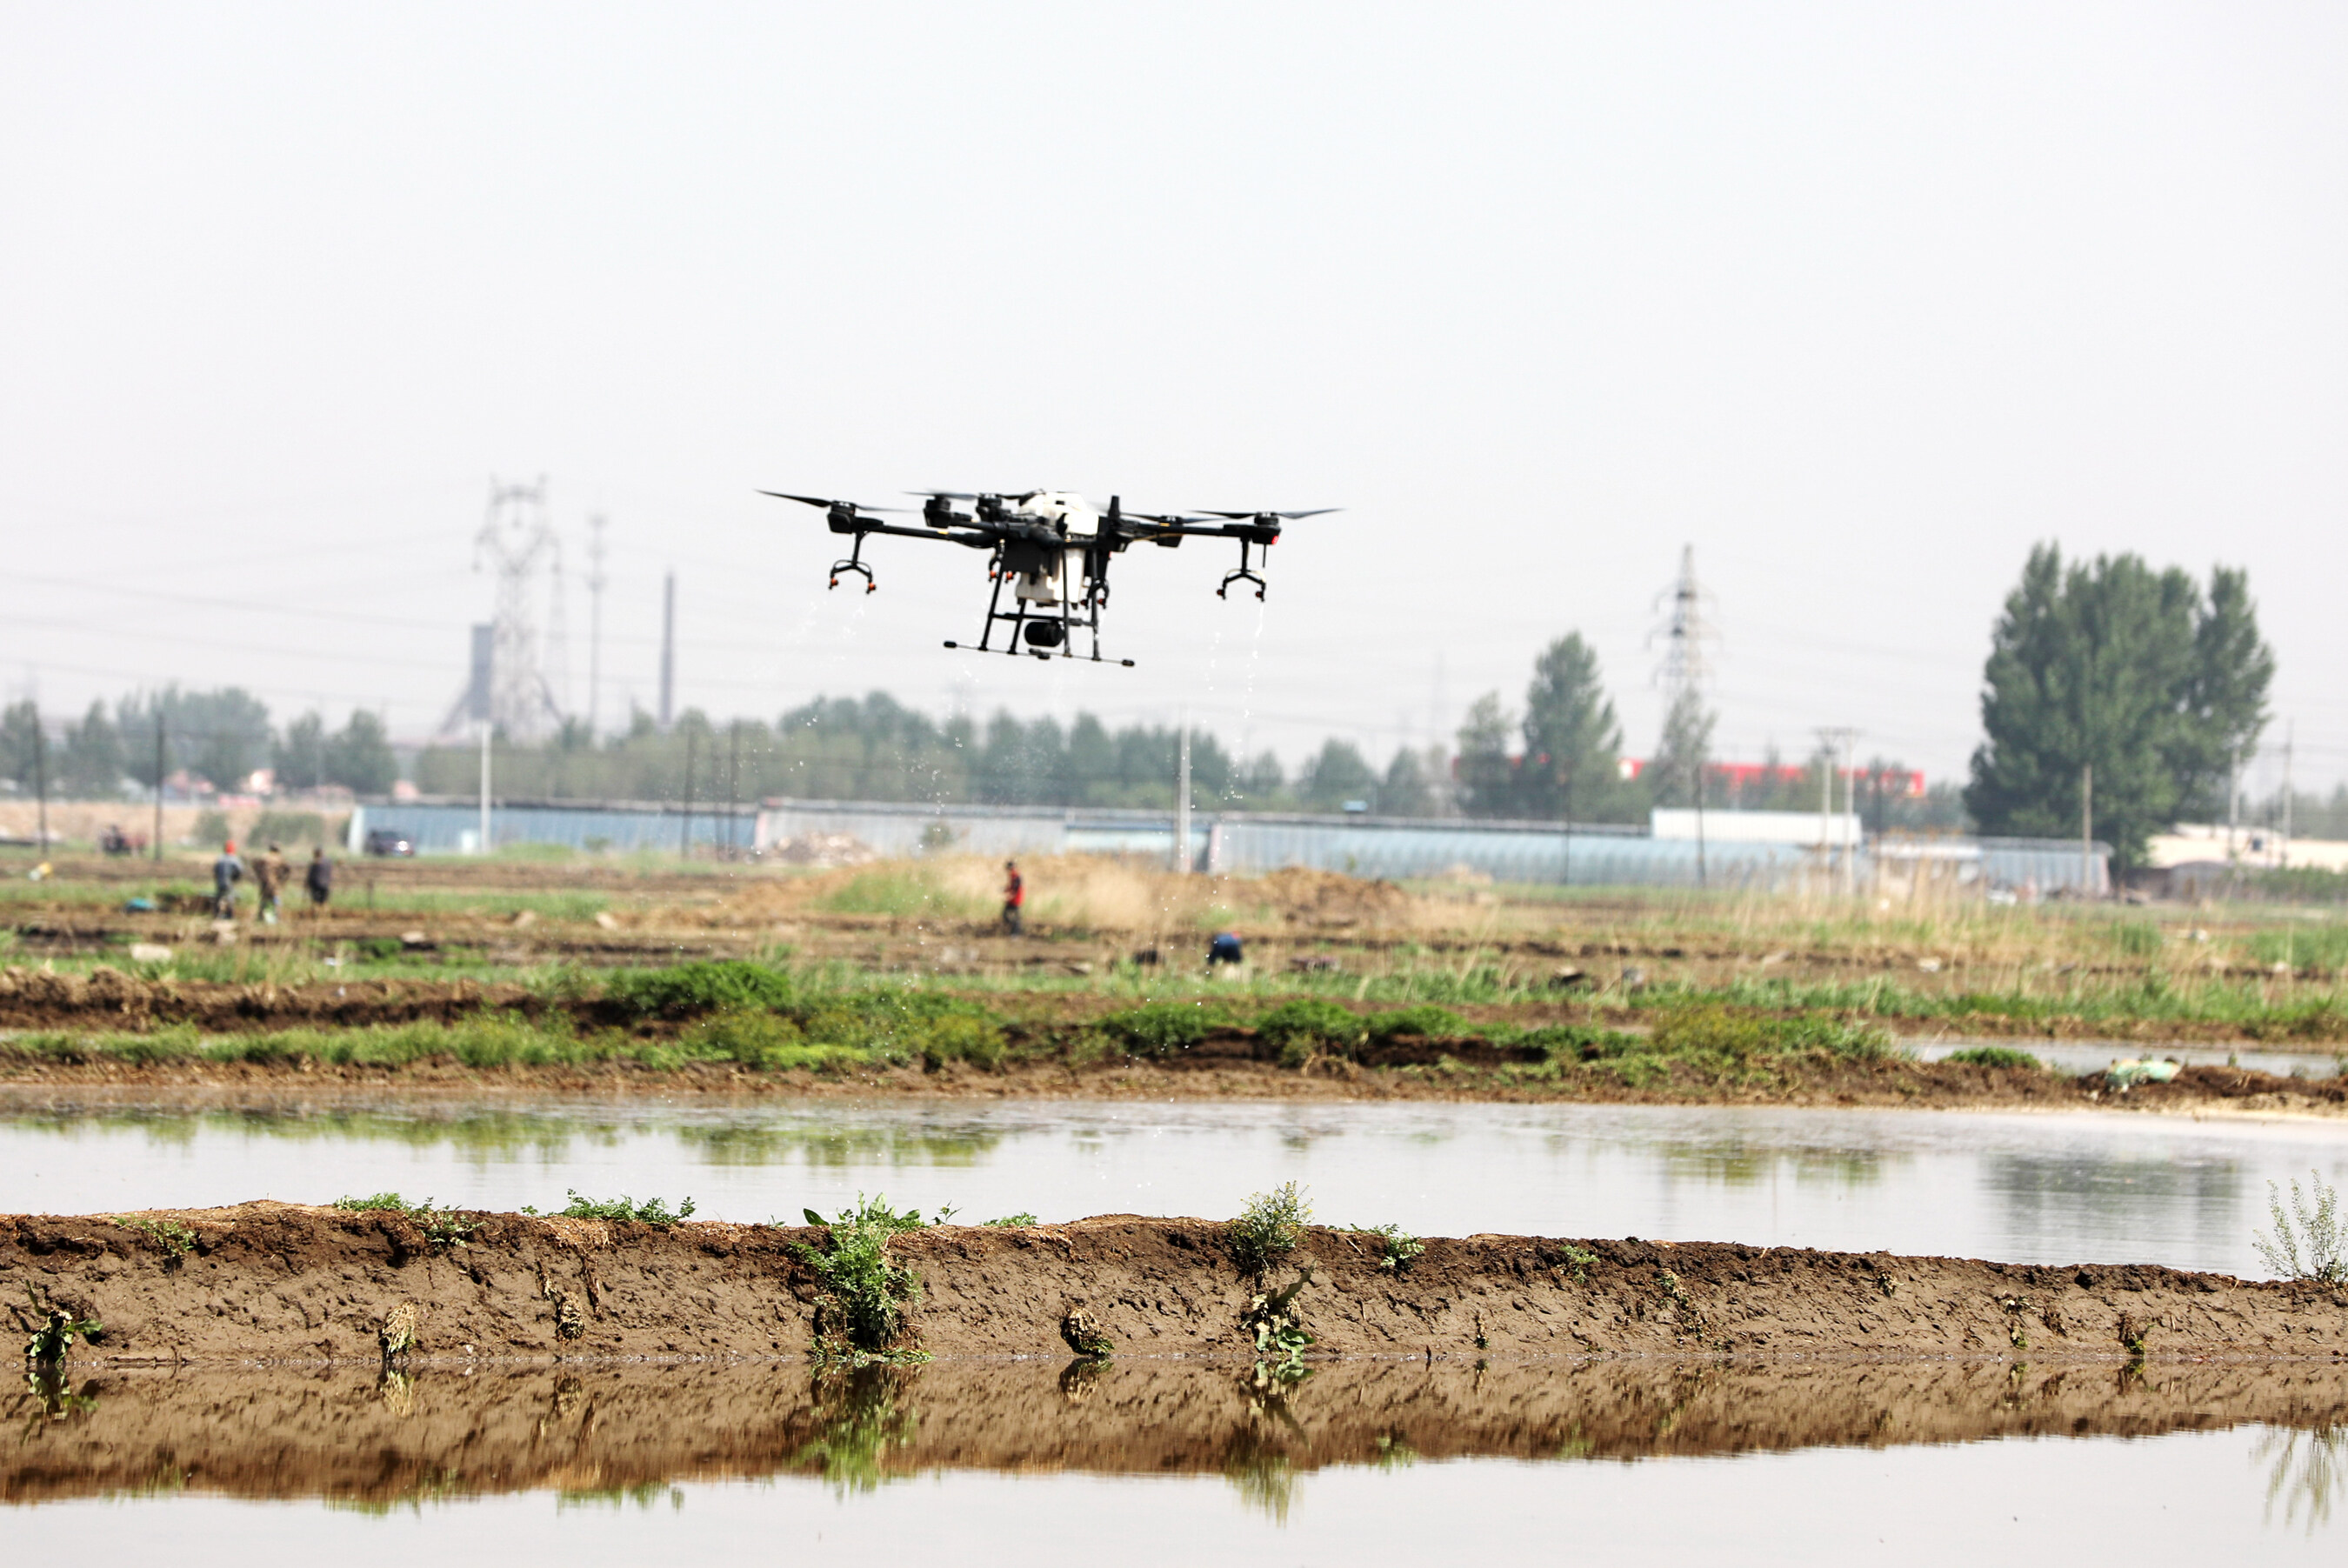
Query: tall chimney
[668, 649]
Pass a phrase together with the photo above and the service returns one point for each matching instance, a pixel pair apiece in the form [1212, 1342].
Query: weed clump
[1397, 1246]
[49, 1342]
[442, 1227]
[1427, 1021]
[169, 1234]
[1298, 1028]
[2320, 1230]
[1159, 1029]
[1995, 1057]
[1269, 1228]
[1276, 1324]
[687, 990]
[651, 1211]
[859, 1314]
[1013, 1222]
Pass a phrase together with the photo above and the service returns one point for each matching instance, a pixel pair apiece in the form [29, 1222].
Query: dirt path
[270, 1281]
[358, 1436]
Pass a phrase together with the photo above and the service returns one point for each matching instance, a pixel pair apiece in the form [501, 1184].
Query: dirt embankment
[280, 1282]
[354, 1435]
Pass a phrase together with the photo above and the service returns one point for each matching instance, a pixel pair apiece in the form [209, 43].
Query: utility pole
[595, 526]
[159, 778]
[685, 836]
[2289, 736]
[668, 648]
[1836, 741]
[2233, 798]
[1183, 800]
[41, 782]
[487, 730]
[2086, 830]
[732, 780]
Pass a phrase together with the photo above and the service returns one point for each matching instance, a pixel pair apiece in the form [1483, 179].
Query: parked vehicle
[389, 841]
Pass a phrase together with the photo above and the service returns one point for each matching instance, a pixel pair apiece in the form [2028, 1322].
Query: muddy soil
[358, 1436]
[278, 1282]
[1225, 1067]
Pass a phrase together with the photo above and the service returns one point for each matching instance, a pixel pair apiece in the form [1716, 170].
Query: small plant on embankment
[1269, 1228]
[1276, 1325]
[1397, 1246]
[2319, 1230]
[59, 1329]
[1011, 1221]
[651, 1212]
[442, 1227]
[168, 1234]
[864, 1292]
[1995, 1057]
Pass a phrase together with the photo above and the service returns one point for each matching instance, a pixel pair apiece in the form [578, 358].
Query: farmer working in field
[320, 878]
[270, 875]
[227, 872]
[1014, 894]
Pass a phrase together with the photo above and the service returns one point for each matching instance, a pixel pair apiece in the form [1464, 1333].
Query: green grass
[1995, 1057]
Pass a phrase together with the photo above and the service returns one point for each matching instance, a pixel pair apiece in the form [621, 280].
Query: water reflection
[612, 1433]
[2304, 1471]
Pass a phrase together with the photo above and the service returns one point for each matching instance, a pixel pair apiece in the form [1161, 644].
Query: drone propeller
[1290, 516]
[849, 507]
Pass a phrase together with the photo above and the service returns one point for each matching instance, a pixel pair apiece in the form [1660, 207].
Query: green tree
[219, 736]
[1487, 778]
[1572, 739]
[1408, 789]
[358, 757]
[1683, 752]
[1335, 774]
[300, 754]
[2113, 667]
[20, 750]
[2225, 698]
[90, 764]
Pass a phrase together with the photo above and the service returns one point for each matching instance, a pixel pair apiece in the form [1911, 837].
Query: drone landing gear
[1242, 575]
[854, 564]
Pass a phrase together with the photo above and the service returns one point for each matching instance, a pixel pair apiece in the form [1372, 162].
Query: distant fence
[1586, 855]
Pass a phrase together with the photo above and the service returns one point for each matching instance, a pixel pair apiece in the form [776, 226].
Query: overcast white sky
[1859, 300]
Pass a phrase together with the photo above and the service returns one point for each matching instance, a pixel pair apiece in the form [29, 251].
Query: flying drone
[1053, 549]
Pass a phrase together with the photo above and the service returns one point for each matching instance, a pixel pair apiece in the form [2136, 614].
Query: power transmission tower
[595, 526]
[1685, 631]
[518, 542]
[1683, 671]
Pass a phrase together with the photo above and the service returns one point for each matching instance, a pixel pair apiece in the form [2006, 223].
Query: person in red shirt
[1014, 894]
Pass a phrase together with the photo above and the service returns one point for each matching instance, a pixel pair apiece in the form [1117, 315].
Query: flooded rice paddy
[1147, 1461]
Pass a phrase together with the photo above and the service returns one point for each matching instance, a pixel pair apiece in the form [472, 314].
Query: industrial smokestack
[668, 649]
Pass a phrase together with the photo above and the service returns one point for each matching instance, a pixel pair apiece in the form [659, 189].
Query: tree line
[2110, 688]
[877, 749]
[219, 739]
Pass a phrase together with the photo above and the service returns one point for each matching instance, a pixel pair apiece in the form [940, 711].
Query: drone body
[1053, 549]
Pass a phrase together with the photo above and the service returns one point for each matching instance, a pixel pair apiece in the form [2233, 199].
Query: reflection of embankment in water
[598, 1429]
[543, 1130]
